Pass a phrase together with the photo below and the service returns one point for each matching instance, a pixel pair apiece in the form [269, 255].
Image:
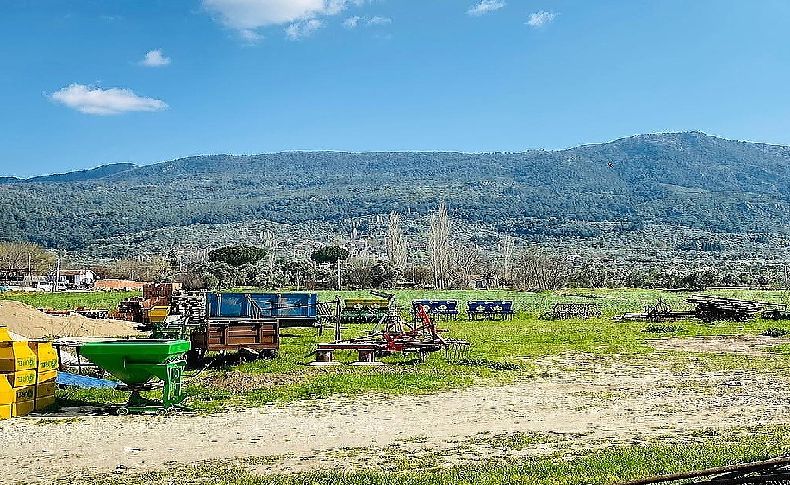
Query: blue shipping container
[262, 305]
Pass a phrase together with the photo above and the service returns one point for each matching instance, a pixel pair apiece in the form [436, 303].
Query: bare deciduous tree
[21, 256]
[272, 246]
[537, 270]
[468, 264]
[506, 261]
[439, 246]
[396, 244]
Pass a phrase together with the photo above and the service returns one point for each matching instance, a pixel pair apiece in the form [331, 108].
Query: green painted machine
[139, 362]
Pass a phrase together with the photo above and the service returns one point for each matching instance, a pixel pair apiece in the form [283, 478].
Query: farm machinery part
[706, 308]
[567, 311]
[363, 310]
[392, 334]
[776, 312]
[137, 363]
[774, 471]
[437, 309]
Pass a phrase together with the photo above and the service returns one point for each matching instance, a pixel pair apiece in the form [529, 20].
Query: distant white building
[73, 279]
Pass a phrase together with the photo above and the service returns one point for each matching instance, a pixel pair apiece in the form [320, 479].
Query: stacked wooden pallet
[712, 308]
[131, 309]
[153, 291]
[190, 304]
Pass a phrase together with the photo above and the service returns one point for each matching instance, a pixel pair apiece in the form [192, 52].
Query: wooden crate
[232, 335]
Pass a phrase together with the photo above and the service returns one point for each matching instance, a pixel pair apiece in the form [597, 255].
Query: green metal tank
[138, 362]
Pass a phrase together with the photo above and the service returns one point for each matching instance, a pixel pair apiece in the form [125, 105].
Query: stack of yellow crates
[46, 373]
[28, 370]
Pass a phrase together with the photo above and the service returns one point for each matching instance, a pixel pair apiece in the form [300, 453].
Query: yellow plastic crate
[45, 354]
[16, 356]
[22, 408]
[4, 335]
[45, 389]
[5, 411]
[49, 375]
[158, 314]
[20, 378]
[6, 392]
[44, 402]
[27, 393]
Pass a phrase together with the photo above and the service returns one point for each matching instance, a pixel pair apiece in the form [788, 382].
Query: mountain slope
[688, 179]
[76, 176]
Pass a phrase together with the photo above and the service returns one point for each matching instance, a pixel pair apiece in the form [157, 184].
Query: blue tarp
[76, 380]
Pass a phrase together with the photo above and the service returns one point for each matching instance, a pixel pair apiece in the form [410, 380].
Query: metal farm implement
[142, 365]
[775, 471]
[392, 334]
[706, 308]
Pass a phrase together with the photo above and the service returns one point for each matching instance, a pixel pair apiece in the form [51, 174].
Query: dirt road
[591, 403]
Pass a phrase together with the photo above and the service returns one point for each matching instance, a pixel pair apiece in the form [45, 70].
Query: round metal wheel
[122, 411]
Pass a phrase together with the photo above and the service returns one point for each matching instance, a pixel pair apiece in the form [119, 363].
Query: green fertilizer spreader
[138, 362]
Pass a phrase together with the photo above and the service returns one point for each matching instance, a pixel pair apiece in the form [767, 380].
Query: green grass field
[500, 351]
[69, 301]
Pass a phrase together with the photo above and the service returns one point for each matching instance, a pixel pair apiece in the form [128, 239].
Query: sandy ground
[584, 403]
[28, 322]
[738, 344]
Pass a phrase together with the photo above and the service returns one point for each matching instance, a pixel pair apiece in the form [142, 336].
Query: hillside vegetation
[682, 179]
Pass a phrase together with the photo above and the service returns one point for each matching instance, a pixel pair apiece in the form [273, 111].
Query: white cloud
[98, 101]
[484, 7]
[155, 58]
[539, 19]
[352, 22]
[379, 21]
[355, 21]
[250, 36]
[305, 28]
[248, 15]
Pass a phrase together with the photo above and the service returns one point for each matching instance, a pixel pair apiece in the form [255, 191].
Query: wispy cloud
[356, 21]
[246, 16]
[484, 7]
[352, 22]
[379, 21]
[155, 58]
[98, 101]
[250, 36]
[305, 28]
[539, 19]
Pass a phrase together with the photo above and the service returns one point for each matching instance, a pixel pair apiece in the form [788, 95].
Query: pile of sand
[25, 320]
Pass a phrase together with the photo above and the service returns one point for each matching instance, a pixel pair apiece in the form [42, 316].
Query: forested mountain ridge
[76, 176]
[689, 179]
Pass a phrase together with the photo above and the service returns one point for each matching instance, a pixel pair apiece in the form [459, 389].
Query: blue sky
[250, 76]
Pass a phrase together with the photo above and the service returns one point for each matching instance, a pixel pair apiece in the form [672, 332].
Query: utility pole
[57, 275]
[338, 274]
